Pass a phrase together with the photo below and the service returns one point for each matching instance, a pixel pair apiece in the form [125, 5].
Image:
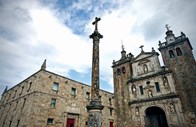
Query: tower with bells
[121, 72]
[178, 57]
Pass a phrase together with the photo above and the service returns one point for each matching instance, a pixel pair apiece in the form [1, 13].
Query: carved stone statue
[133, 88]
[150, 93]
[137, 111]
[172, 108]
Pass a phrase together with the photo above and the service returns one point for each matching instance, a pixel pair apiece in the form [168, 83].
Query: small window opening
[171, 54]
[178, 51]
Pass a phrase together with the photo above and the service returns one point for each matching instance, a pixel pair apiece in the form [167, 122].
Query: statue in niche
[172, 108]
[150, 93]
[145, 68]
[137, 111]
[133, 88]
[165, 81]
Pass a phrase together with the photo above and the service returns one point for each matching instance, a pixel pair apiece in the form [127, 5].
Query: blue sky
[58, 30]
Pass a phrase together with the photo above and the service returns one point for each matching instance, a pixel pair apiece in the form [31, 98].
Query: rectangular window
[87, 95]
[110, 112]
[50, 121]
[87, 110]
[55, 86]
[99, 97]
[73, 91]
[141, 90]
[52, 103]
[157, 86]
[110, 101]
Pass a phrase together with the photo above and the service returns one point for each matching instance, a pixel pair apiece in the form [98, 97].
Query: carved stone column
[95, 108]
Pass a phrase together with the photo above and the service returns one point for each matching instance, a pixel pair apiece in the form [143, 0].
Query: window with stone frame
[118, 71]
[157, 86]
[73, 91]
[178, 51]
[110, 101]
[171, 54]
[55, 86]
[100, 97]
[53, 103]
[50, 121]
[110, 112]
[87, 110]
[123, 70]
[141, 90]
[88, 95]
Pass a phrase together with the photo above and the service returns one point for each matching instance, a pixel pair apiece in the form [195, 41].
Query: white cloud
[33, 32]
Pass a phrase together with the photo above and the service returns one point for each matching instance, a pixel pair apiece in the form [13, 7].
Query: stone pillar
[95, 108]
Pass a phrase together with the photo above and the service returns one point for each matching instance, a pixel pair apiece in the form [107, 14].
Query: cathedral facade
[150, 95]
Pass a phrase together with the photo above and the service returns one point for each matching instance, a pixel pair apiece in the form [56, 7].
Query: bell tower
[178, 57]
[121, 72]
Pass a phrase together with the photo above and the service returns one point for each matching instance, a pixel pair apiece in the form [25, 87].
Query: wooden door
[111, 124]
[70, 122]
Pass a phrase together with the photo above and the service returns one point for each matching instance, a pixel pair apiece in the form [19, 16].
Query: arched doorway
[155, 117]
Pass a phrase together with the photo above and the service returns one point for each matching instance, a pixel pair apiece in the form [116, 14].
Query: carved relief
[137, 111]
[150, 93]
[133, 88]
[172, 108]
[165, 81]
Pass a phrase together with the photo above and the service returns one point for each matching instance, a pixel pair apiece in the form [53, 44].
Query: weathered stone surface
[37, 91]
[146, 85]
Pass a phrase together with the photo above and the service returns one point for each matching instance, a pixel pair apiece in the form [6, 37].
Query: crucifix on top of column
[96, 22]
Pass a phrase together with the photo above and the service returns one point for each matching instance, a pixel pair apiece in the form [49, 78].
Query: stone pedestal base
[95, 119]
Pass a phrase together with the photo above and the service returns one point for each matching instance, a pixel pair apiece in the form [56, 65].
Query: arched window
[178, 51]
[171, 54]
[123, 70]
[118, 71]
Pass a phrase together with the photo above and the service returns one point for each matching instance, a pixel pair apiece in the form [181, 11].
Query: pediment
[143, 61]
[143, 56]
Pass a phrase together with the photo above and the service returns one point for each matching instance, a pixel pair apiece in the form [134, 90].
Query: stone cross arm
[96, 22]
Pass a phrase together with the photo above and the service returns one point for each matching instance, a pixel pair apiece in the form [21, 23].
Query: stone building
[46, 99]
[147, 94]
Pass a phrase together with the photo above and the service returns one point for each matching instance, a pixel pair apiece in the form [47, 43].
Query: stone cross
[96, 22]
[141, 48]
[167, 27]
